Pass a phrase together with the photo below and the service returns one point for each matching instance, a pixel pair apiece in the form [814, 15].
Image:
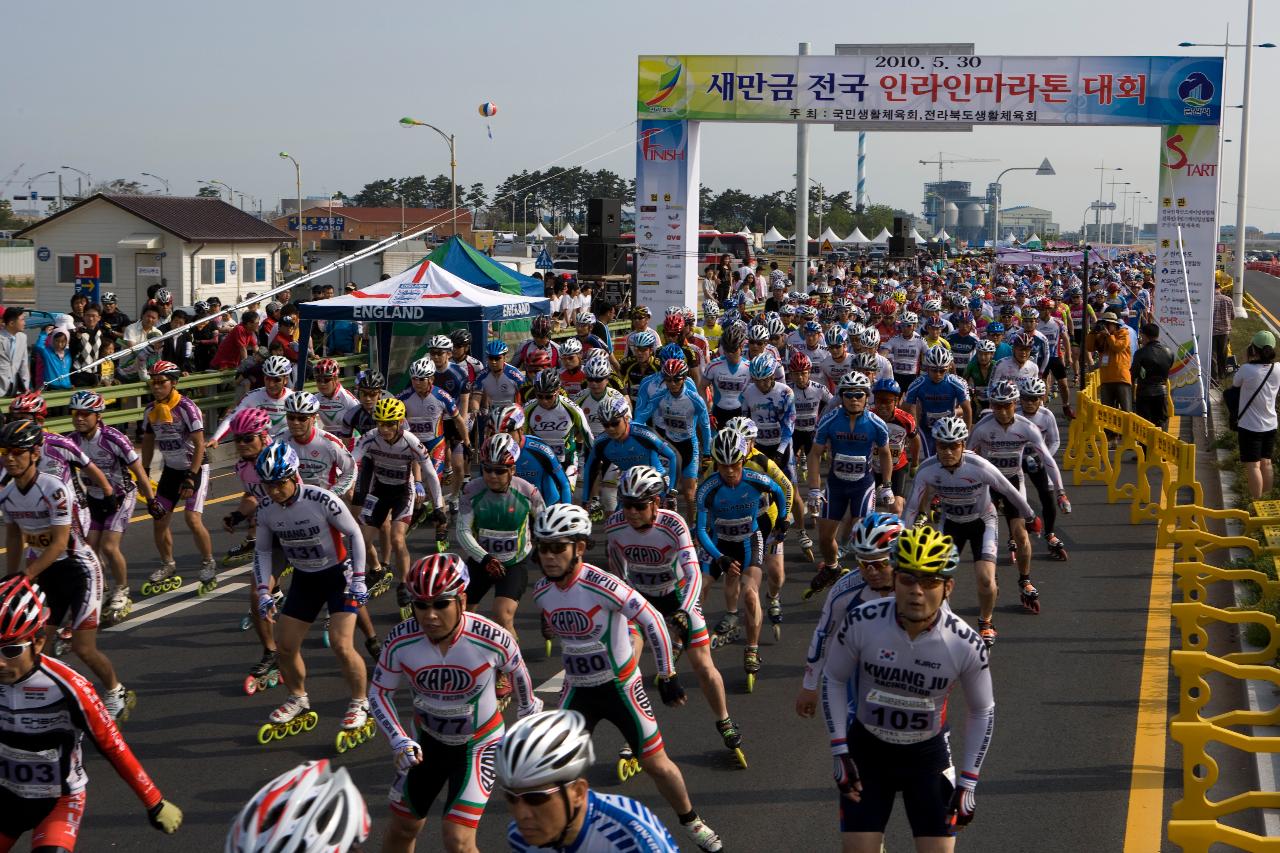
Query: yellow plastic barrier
[1199, 836]
[1194, 692]
[1192, 578]
[1200, 771]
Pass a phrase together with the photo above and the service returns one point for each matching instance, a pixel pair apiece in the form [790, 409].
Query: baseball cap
[1264, 338]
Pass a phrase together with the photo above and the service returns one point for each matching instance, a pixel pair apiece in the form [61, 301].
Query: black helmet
[733, 338]
[372, 379]
[460, 337]
[21, 434]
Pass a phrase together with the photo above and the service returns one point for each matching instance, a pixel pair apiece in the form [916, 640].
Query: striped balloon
[488, 109]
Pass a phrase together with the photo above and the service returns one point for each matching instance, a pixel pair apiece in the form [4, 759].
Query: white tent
[942, 236]
[882, 237]
[567, 234]
[538, 233]
[773, 236]
[746, 232]
[830, 236]
[1010, 239]
[1034, 238]
[915, 235]
[857, 238]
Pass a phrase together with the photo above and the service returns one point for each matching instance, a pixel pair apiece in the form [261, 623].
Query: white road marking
[552, 684]
[185, 589]
[130, 624]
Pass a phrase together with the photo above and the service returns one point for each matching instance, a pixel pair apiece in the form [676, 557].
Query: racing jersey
[647, 393]
[774, 413]
[452, 683]
[310, 529]
[358, 420]
[573, 381]
[393, 461]
[903, 685]
[818, 356]
[1007, 368]
[613, 824]
[809, 401]
[590, 407]
[538, 464]
[563, 428]
[655, 560]
[248, 474]
[333, 408]
[47, 503]
[832, 370]
[633, 371]
[425, 414]
[590, 615]
[905, 353]
[848, 592]
[61, 456]
[497, 523]
[112, 452]
[978, 384]
[962, 349]
[529, 346]
[1040, 351]
[173, 437]
[641, 446]
[1004, 446]
[323, 461]
[853, 442]
[1048, 426]
[1055, 334]
[731, 513]
[501, 388]
[727, 382]
[682, 417]
[258, 398]
[901, 427]
[937, 400]
[454, 381]
[44, 717]
[965, 492]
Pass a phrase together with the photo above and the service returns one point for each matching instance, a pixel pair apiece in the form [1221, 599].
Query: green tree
[208, 192]
[379, 193]
[8, 222]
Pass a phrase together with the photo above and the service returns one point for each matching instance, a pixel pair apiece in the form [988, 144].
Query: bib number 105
[896, 718]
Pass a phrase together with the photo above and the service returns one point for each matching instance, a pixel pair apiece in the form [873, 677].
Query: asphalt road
[1056, 779]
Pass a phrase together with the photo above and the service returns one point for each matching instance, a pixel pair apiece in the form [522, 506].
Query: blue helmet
[670, 351]
[995, 328]
[645, 338]
[277, 462]
[493, 349]
[812, 327]
[889, 386]
[764, 366]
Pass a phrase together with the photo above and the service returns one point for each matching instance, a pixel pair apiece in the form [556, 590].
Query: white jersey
[1004, 446]
[590, 407]
[905, 353]
[310, 530]
[113, 453]
[258, 398]
[656, 560]
[965, 492]
[1048, 426]
[885, 368]
[47, 503]
[424, 415]
[557, 427]
[774, 413]
[903, 685]
[810, 400]
[174, 438]
[1055, 335]
[1007, 368]
[727, 381]
[818, 356]
[833, 370]
[333, 408]
[848, 592]
[393, 462]
[324, 461]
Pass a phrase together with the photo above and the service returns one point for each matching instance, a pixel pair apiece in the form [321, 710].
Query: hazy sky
[214, 90]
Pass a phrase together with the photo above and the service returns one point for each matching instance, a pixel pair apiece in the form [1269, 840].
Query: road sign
[86, 266]
[826, 246]
[544, 261]
[43, 253]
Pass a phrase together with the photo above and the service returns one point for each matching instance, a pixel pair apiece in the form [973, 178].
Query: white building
[196, 247]
[1024, 220]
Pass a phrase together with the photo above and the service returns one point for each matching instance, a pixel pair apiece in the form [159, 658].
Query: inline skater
[962, 341]
[651, 549]
[334, 400]
[599, 375]
[854, 435]
[771, 404]
[452, 378]
[572, 378]
[681, 417]
[499, 383]
[175, 425]
[557, 422]
[310, 524]
[427, 408]
[964, 482]
[897, 738]
[872, 541]
[49, 709]
[641, 362]
[839, 360]
[905, 349]
[548, 754]
[310, 808]
[811, 398]
[904, 438]
[731, 502]
[44, 545]
[115, 457]
[457, 722]
[624, 445]
[539, 341]
[589, 610]
[1031, 397]
[1058, 346]
[276, 372]
[938, 394]
[536, 462]
[977, 373]
[646, 396]
[727, 376]
[1019, 365]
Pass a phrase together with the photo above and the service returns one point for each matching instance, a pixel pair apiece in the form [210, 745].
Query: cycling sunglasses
[553, 547]
[434, 603]
[531, 798]
[246, 437]
[636, 504]
[612, 423]
[922, 581]
[15, 650]
[853, 395]
[496, 469]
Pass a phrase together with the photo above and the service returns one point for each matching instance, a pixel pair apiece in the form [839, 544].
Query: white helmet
[597, 366]
[869, 337]
[641, 483]
[950, 429]
[1032, 386]
[728, 447]
[544, 749]
[908, 318]
[986, 345]
[302, 404]
[443, 342]
[423, 368]
[938, 358]
[873, 536]
[573, 346]
[308, 809]
[1002, 391]
[744, 426]
[562, 521]
[277, 365]
[854, 381]
[611, 408]
[932, 305]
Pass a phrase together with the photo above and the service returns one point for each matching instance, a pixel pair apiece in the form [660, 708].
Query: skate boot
[547, 634]
[262, 675]
[62, 644]
[732, 739]
[453, 507]
[751, 664]
[442, 537]
[119, 702]
[727, 630]
[703, 835]
[117, 607]
[293, 717]
[987, 632]
[163, 579]
[208, 577]
[502, 690]
[238, 555]
[774, 611]
[404, 600]
[383, 582]
[825, 577]
[1030, 595]
[1057, 551]
[373, 647]
[628, 764]
[679, 623]
[806, 545]
[357, 726]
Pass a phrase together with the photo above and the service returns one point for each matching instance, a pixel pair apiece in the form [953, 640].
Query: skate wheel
[309, 722]
[777, 633]
[405, 613]
[341, 743]
[245, 622]
[265, 733]
[272, 680]
[280, 731]
[295, 726]
[751, 682]
[624, 769]
[808, 593]
[371, 731]
[742, 759]
[808, 554]
[635, 766]
[130, 702]
[324, 638]
[250, 685]
[146, 588]
[548, 643]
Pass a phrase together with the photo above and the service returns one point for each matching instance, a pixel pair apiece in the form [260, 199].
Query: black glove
[188, 486]
[670, 690]
[781, 526]
[232, 519]
[720, 565]
[963, 804]
[845, 772]
[493, 567]
[156, 509]
[439, 517]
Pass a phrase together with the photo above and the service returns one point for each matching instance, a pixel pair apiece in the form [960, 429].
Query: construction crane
[8, 179]
[940, 162]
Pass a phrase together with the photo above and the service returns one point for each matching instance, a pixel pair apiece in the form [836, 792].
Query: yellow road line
[1261, 309]
[1144, 825]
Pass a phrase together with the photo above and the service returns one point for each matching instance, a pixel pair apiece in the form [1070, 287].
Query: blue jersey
[937, 399]
[732, 512]
[641, 447]
[453, 379]
[613, 824]
[1003, 350]
[962, 348]
[538, 465]
[681, 418]
[648, 391]
[852, 445]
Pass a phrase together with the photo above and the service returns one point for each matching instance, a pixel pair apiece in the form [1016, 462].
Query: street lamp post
[1045, 168]
[231, 193]
[1097, 211]
[297, 174]
[524, 217]
[88, 179]
[158, 178]
[453, 164]
[1111, 216]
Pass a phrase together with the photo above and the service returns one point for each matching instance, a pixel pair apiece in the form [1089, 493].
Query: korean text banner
[1007, 90]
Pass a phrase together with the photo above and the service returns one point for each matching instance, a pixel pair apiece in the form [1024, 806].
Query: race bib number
[678, 424]
[306, 553]
[587, 664]
[806, 423]
[30, 774]
[451, 725]
[39, 540]
[1008, 465]
[503, 544]
[895, 718]
[169, 445]
[735, 529]
[650, 580]
[848, 467]
[769, 433]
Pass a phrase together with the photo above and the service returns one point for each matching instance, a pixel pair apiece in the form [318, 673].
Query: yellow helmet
[923, 550]
[389, 409]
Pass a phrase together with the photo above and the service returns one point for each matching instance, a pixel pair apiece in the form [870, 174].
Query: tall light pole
[524, 217]
[1124, 216]
[88, 179]
[1097, 211]
[1045, 168]
[231, 193]
[297, 174]
[158, 178]
[1111, 216]
[453, 164]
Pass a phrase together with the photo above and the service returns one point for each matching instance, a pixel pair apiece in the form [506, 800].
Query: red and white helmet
[22, 609]
[30, 403]
[327, 368]
[437, 575]
[311, 807]
[165, 369]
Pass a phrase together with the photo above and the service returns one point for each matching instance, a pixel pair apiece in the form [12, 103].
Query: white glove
[535, 707]
[407, 752]
[266, 602]
[885, 494]
[358, 590]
